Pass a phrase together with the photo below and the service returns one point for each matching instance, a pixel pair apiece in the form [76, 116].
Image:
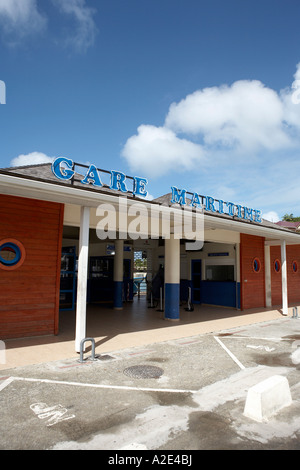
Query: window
[12, 254]
[9, 254]
[294, 266]
[277, 266]
[256, 265]
[220, 273]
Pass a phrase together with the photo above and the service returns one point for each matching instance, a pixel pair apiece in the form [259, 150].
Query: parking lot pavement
[186, 394]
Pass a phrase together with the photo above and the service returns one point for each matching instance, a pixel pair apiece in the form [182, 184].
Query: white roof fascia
[22, 187]
[30, 188]
[211, 222]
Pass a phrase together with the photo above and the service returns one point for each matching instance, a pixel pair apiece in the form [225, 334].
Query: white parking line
[79, 384]
[230, 353]
[6, 382]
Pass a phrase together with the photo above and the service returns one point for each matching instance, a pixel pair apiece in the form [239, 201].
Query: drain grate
[144, 372]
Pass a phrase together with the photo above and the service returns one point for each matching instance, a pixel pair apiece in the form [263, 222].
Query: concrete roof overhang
[24, 186]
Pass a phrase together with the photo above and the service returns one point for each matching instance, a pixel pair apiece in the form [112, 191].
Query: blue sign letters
[62, 173]
[213, 205]
[63, 169]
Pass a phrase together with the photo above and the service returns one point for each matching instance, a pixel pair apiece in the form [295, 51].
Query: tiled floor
[135, 325]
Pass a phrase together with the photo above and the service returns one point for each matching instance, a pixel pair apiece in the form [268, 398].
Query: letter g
[62, 173]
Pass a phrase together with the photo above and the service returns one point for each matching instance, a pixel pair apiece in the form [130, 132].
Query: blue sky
[197, 94]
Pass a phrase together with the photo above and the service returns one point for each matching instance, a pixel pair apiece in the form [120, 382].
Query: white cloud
[290, 98]
[246, 115]
[20, 18]
[157, 150]
[33, 158]
[242, 123]
[83, 35]
[271, 216]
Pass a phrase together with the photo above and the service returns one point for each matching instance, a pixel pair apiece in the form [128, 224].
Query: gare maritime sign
[63, 169]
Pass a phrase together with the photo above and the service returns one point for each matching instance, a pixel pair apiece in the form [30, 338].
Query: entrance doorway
[140, 273]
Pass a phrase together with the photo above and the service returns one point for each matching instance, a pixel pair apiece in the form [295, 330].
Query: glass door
[67, 279]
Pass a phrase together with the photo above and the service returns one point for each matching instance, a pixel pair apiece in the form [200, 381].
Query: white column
[83, 257]
[284, 278]
[268, 288]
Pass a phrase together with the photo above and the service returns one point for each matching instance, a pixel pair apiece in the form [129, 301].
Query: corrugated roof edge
[51, 179]
[26, 166]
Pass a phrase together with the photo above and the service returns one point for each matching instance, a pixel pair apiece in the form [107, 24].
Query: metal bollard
[161, 309]
[151, 301]
[295, 312]
[93, 357]
[190, 307]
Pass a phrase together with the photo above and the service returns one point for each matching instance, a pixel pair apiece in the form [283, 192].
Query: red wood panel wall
[252, 283]
[29, 295]
[293, 278]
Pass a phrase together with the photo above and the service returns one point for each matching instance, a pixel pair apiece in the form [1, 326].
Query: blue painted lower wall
[225, 294]
[172, 294]
[220, 293]
[118, 294]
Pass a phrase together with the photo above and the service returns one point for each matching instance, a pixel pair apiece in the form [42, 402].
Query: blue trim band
[172, 301]
[118, 294]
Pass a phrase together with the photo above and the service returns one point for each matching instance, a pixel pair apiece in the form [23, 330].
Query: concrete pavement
[185, 394]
